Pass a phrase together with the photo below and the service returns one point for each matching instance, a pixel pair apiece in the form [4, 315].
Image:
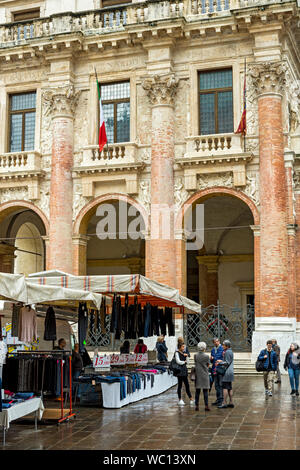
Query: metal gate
[223, 322]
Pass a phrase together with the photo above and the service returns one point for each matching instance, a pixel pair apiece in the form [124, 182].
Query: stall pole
[70, 382]
[61, 389]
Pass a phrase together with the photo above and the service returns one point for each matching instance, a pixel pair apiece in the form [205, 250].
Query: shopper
[61, 344]
[217, 354]
[269, 357]
[125, 348]
[292, 364]
[77, 366]
[140, 347]
[181, 341]
[228, 377]
[277, 350]
[181, 360]
[202, 363]
[161, 349]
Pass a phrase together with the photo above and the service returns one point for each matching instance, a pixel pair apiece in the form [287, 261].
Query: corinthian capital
[60, 101]
[268, 77]
[161, 89]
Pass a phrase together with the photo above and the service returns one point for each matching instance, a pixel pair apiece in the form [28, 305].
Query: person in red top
[140, 348]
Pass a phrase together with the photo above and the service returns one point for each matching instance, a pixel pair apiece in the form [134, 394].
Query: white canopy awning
[16, 288]
[122, 283]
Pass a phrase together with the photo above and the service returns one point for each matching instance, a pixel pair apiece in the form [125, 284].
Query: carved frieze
[214, 179]
[161, 89]
[144, 196]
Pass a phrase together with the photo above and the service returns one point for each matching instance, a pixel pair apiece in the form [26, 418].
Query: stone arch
[214, 192]
[8, 208]
[82, 219]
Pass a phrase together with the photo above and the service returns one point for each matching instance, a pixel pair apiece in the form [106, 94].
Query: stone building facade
[176, 70]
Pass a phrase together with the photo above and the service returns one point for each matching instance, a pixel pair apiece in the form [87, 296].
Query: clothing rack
[60, 355]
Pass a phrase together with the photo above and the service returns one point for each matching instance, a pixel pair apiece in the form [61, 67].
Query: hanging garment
[92, 321]
[102, 316]
[113, 315]
[162, 321]
[1, 338]
[50, 325]
[126, 326]
[15, 320]
[170, 322]
[119, 318]
[155, 320]
[27, 325]
[147, 314]
[140, 321]
[82, 325]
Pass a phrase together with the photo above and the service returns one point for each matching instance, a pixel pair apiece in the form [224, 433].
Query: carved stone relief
[268, 77]
[61, 100]
[144, 196]
[210, 180]
[180, 193]
[78, 200]
[252, 187]
[161, 89]
[81, 121]
[13, 194]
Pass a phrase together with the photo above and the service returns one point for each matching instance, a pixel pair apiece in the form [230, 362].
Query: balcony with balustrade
[20, 164]
[131, 18]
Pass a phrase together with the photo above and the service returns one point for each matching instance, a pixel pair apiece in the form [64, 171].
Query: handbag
[259, 365]
[174, 367]
[221, 369]
[193, 374]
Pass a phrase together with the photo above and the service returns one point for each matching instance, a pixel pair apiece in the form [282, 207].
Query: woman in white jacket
[181, 359]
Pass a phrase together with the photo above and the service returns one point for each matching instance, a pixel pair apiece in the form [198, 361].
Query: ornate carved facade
[176, 148]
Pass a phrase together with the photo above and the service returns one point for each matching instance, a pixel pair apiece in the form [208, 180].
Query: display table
[33, 405]
[111, 392]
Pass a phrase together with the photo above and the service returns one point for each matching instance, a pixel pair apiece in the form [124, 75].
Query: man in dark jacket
[269, 357]
[216, 355]
[277, 350]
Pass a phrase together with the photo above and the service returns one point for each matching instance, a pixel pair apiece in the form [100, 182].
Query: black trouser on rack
[205, 394]
[184, 380]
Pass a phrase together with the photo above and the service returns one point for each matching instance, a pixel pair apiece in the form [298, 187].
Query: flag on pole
[242, 125]
[102, 131]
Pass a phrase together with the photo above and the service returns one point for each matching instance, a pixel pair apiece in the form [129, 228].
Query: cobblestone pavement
[256, 422]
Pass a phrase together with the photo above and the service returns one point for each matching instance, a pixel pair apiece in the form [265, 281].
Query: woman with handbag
[202, 362]
[181, 358]
[226, 369]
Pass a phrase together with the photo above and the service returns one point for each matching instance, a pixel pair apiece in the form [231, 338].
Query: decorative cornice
[60, 101]
[268, 77]
[161, 89]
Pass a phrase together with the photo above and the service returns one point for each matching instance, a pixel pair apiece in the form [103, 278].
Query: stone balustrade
[117, 18]
[20, 162]
[213, 145]
[114, 154]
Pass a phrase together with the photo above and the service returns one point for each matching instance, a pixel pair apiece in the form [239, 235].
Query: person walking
[181, 360]
[228, 377]
[277, 350]
[202, 363]
[269, 357]
[217, 354]
[161, 349]
[292, 365]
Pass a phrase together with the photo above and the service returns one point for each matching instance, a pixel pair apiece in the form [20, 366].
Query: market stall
[31, 372]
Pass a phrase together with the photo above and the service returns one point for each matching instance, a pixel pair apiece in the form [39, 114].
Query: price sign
[101, 361]
[117, 359]
[142, 358]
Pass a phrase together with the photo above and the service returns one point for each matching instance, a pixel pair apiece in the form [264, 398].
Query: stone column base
[285, 330]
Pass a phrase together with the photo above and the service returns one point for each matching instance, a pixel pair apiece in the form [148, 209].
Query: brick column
[61, 103]
[289, 158]
[256, 233]
[80, 254]
[273, 318]
[181, 266]
[269, 80]
[161, 91]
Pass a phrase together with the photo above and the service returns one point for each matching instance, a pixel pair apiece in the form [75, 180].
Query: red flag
[102, 131]
[242, 125]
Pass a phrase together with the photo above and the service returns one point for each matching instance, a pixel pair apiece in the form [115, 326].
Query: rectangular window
[215, 102]
[116, 110]
[22, 121]
[26, 15]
